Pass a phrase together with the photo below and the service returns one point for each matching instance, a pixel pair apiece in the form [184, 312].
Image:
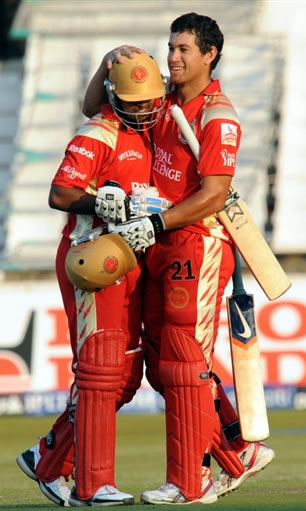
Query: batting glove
[147, 201]
[112, 203]
[139, 233]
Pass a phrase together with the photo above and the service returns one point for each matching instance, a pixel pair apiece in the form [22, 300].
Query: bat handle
[238, 288]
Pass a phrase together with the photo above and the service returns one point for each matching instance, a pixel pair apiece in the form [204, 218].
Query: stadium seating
[65, 43]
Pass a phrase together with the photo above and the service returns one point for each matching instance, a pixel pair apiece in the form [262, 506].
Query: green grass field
[141, 464]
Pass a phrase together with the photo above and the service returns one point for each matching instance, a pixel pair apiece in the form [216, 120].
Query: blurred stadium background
[49, 49]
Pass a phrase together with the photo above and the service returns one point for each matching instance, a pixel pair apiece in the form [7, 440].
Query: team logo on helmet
[139, 74]
[110, 264]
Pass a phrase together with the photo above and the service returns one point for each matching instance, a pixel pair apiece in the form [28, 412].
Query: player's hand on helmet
[139, 233]
[146, 201]
[116, 54]
[112, 203]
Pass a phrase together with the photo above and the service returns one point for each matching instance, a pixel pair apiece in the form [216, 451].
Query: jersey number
[181, 273]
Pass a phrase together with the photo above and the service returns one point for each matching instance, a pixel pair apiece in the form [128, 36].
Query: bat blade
[246, 363]
[254, 249]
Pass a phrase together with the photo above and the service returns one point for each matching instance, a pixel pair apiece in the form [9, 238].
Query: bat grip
[238, 288]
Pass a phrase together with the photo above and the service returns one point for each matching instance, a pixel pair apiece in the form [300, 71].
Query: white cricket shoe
[28, 461]
[105, 496]
[170, 494]
[255, 458]
[55, 491]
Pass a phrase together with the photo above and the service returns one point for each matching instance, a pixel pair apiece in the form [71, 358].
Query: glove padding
[139, 233]
[112, 203]
[146, 201]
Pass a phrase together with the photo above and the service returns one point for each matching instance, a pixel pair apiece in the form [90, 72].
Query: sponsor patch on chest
[131, 154]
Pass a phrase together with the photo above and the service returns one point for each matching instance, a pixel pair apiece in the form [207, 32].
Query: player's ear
[210, 55]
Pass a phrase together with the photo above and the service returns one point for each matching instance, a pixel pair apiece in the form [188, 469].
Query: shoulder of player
[101, 127]
[218, 106]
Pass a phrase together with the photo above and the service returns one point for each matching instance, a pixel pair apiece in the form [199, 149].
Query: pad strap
[224, 454]
[229, 419]
[131, 378]
[57, 456]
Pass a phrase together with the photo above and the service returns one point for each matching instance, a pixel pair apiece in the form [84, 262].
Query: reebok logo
[81, 150]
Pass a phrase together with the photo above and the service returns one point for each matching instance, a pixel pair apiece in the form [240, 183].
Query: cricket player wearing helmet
[105, 175]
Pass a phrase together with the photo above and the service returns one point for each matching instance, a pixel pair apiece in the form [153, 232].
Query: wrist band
[158, 223]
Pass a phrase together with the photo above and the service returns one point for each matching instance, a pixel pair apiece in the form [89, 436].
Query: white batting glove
[139, 233]
[112, 203]
[146, 201]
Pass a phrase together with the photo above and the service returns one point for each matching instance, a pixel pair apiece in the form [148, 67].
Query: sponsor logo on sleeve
[228, 134]
[81, 150]
[72, 173]
[229, 159]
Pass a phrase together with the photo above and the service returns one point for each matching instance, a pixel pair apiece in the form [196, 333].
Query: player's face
[141, 110]
[185, 61]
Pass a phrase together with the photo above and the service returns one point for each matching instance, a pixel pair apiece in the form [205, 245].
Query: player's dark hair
[206, 32]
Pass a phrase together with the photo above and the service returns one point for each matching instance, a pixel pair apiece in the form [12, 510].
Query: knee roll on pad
[101, 361]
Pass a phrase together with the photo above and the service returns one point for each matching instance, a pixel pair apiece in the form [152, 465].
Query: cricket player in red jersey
[105, 325]
[189, 262]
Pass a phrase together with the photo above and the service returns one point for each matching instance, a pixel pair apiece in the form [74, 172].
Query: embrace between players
[130, 171]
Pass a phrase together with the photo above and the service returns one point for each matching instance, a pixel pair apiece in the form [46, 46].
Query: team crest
[139, 74]
[178, 297]
[110, 264]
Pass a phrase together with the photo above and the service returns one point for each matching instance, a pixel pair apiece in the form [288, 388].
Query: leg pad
[190, 412]
[98, 378]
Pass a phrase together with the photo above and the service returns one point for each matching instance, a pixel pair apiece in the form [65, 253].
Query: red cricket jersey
[176, 173]
[103, 149]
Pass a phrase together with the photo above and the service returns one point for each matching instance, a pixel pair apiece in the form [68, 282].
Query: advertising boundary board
[35, 354]
[146, 401]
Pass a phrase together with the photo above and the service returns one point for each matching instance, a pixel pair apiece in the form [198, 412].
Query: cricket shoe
[105, 496]
[27, 461]
[170, 494]
[255, 458]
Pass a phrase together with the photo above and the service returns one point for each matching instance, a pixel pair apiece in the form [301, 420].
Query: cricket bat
[246, 362]
[238, 222]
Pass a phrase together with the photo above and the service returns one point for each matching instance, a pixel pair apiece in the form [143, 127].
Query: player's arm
[95, 95]
[109, 204]
[208, 200]
[141, 233]
[71, 200]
